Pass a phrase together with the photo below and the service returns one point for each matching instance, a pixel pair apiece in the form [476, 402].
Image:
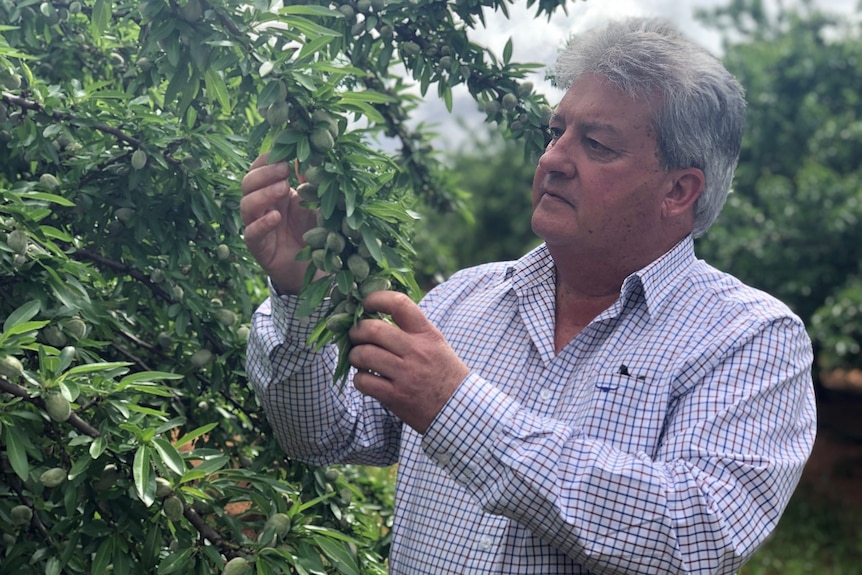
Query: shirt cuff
[295, 329]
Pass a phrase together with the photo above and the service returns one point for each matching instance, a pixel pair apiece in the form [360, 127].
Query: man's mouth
[554, 196]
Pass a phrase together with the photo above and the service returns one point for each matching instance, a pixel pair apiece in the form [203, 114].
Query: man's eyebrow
[588, 126]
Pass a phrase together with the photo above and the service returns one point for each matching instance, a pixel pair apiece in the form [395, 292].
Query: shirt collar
[658, 280]
[655, 283]
[534, 267]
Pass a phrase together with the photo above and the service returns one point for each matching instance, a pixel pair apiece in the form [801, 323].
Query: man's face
[599, 187]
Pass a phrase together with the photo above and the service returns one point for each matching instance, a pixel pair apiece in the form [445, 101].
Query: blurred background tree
[793, 224]
[495, 176]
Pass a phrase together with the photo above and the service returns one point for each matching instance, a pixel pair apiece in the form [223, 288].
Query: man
[606, 404]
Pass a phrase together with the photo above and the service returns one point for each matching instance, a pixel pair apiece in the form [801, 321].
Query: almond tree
[131, 442]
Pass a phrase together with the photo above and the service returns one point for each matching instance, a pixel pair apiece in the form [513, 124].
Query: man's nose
[558, 160]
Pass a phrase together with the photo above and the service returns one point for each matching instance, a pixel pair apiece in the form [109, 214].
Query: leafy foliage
[130, 439]
[792, 225]
[817, 534]
[497, 177]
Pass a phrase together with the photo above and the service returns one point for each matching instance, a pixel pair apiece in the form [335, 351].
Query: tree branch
[33, 106]
[75, 421]
[229, 549]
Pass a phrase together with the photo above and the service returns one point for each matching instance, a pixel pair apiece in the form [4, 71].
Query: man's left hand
[409, 367]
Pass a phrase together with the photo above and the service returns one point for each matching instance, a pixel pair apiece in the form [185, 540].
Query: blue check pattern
[667, 437]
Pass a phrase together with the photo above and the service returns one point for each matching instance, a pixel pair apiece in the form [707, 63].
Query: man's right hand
[274, 223]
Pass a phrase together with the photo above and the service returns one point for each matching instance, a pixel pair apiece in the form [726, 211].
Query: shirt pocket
[628, 411]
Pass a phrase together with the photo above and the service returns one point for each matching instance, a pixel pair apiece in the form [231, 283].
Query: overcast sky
[537, 40]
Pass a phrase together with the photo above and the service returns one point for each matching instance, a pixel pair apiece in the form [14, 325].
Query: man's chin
[549, 228]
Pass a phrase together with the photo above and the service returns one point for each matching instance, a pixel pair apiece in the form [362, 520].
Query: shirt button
[485, 542]
[443, 459]
[545, 394]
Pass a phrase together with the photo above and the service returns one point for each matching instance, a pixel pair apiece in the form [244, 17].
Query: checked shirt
[666, 437]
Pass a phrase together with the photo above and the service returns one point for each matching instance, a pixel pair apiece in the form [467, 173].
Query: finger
[264, 175]
[375, 358]
[261, 160]
[372, 384]
[256, 205]
[257, 232]
[378, 333]
[404, 311]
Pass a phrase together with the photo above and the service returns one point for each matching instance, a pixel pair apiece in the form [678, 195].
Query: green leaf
[189, 93]
[121, 561]
[147, 410]
[145, 479]
[194, 434]
[16, 452]
[370, 241]
[175, 563]
[79, 467]
[102, 560]
[303, 149]
[22, 314]
[152, 389]
[52, 232]
[67, 354]
[152, 547]
[270, 93]
[100, 17]
[22, 328]
[290, 136]
[310, 11]
[370, 96]
[53, 198]
[312, 296]
[205, 468]
[69, 389]
[507, 51]
[176, 83]
[308, 558]
[447, 96]
[95, 367]
[314, 46]
[338, 553]
[148, 376]
[217, 89]
[344, 279]
[262, 567]
[97, 447]
[170, 456]
[311, 29]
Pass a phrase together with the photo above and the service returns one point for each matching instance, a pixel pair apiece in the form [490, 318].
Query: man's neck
[587, 285]
[574, 310]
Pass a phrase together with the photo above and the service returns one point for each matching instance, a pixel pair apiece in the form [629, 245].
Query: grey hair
[702, 112]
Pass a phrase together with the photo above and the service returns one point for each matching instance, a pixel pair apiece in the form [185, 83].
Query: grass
[816, 536]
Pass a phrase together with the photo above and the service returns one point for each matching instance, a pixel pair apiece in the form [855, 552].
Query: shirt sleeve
[313, 420]
[733, 451]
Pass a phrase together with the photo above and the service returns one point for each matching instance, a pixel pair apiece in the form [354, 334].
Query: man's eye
[555, 133]
[595, 146]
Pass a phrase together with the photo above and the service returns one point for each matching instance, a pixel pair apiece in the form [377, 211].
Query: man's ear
[687, 187]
